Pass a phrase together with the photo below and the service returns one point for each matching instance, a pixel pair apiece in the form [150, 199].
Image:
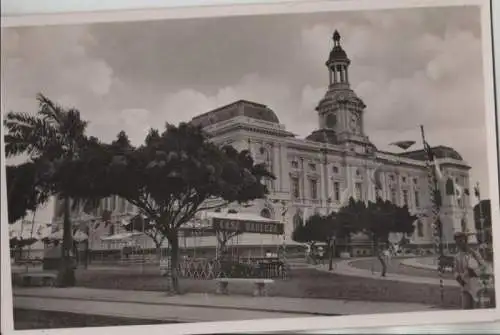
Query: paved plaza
[196, 306]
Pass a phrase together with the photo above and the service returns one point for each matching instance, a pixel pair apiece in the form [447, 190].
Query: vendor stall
[227, 228]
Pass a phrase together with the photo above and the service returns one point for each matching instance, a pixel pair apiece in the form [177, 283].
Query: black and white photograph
[324, 164]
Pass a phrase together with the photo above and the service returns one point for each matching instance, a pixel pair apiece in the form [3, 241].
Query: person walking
[466, 268]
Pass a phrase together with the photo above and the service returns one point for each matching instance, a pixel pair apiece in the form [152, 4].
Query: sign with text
[254, 227]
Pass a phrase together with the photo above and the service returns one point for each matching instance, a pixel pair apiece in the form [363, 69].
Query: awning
[121, 236]
[245, 223]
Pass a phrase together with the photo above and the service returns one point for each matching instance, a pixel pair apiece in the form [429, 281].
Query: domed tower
[341, 110]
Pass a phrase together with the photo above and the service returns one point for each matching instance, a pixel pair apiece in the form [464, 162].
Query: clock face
[331, 120]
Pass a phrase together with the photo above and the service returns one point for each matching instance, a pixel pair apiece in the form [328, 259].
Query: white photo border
[288, 324]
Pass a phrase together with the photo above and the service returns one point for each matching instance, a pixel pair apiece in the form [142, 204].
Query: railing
[248, 268]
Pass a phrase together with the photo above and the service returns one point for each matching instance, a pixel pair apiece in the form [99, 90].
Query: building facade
[313, 173]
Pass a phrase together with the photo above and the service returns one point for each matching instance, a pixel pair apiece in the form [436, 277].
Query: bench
[43, 278]
[260, 285]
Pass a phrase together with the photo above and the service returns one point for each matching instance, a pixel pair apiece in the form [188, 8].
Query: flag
[344, 198]
[284, 210]
[403, 144]
[439, 173]
[429, 152]
[375, 178]
[458, 191]
[477, 193]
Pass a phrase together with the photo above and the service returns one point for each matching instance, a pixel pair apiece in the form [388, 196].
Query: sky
[410, 67]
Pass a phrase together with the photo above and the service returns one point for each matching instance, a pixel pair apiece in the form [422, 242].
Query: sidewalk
[344, 268]
[194, 307]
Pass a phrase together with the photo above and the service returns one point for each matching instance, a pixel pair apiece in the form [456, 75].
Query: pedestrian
[387, 256]
[466, 269]
[321, 255]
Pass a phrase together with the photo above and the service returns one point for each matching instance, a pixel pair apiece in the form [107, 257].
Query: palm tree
[53, 139]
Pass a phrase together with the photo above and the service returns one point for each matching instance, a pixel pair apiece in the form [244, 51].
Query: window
[113, 203]
[417, 199]
[420, 229]
[415, 181]
[312, 167]
[394, 199]
[391, 177]
[297, 219]
[358, 173]
[295, 164]
[403, 179]
[359, 191]
[130, 207]
[331, 120]
[335, 169]
[295, 187]
[314, 188]
[405, 198]
[336, 191]
[265, 213]
[123, 205]
[463, 224]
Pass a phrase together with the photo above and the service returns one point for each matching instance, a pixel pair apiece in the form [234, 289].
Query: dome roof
[239, 108]
[323, 136]
[439, 152]
[337, 53]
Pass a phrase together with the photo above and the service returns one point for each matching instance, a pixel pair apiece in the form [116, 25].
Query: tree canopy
[58, 163]
[177, 173]
[25, 190]
[378, 219]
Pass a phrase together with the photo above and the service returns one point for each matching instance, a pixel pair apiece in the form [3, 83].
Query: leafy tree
[25, 191]
[54, 141]
[320, 228]
[377, 220]
[483, 211]
[178, 173]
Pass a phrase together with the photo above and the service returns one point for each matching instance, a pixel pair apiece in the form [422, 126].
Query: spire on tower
[336, 38]
[338, 62]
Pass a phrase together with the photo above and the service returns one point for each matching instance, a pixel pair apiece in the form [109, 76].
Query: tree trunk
[173, 240]
[66, 275]
[158, 251]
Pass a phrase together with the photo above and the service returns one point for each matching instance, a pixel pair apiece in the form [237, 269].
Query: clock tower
[341, 110]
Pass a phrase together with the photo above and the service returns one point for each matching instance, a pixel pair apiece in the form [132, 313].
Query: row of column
[339, 73]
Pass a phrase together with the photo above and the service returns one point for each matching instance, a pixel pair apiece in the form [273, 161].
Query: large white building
[313, 172]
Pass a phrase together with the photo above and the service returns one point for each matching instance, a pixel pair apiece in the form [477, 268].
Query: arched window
[267, 159]
[298, 219]
[266, 213]
[420, 229]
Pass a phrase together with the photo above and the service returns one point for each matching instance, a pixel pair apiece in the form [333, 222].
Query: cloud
[53, 61]
[410, 67]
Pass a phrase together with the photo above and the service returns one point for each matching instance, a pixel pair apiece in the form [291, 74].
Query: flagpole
[436, 207]
[481, 214]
